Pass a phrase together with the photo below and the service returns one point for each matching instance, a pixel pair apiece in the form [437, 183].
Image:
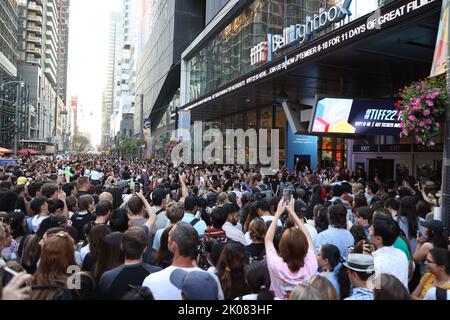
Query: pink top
[283, 281]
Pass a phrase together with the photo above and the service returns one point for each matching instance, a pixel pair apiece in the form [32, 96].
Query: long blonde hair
[305, 291]
[324, 286]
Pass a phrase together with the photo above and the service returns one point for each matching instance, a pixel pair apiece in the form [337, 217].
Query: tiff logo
[259, 53]
[235, 153]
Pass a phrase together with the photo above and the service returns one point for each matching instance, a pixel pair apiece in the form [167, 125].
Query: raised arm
[299, 223]
[184, 189]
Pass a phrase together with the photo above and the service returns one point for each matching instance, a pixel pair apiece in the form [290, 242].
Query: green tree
[81, 143]
[128, 146]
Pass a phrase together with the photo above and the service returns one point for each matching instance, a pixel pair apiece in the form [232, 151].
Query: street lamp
[20, 84]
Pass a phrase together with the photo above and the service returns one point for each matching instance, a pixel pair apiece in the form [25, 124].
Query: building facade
[40, 54]
[110, 96]
[126, 82]
[269, 64]
[63, 46]
[166, 28]
[8, 69]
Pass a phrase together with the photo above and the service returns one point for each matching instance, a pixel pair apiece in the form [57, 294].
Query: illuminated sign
[356, 116]
[299, 33]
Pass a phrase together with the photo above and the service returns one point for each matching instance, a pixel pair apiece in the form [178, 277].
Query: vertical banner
[184, 125]
[149, 141]
[441, 51]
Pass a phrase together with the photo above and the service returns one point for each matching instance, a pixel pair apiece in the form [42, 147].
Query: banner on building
[148, 151]
[184, 125]
[441, 51]
[356, 116]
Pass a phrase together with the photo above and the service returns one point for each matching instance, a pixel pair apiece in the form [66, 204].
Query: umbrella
[4, 150]
[25, 151]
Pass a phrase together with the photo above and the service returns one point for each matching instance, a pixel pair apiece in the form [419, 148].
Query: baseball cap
[434, 225]
[21, 180]
[159, 194]
[211, 198]
[122, 183]
[195, 285]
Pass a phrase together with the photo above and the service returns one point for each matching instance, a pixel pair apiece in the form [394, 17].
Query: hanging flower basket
[422, 106]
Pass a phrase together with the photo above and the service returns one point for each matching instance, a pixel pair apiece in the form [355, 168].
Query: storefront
[397, 161]
[262, 64]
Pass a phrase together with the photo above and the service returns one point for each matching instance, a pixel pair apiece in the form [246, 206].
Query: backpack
[441, 294]
[266, 191]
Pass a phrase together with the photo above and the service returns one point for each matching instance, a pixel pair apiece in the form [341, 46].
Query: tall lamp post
[20, 84]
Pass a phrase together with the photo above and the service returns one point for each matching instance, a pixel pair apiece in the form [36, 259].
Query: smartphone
[287, 194]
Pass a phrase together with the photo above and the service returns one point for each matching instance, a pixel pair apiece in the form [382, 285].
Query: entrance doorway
[383, 168]
[301, 161]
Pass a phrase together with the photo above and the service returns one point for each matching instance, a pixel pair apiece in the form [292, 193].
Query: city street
[224, 150]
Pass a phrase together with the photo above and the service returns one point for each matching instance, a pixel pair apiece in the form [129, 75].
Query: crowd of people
[91, 227]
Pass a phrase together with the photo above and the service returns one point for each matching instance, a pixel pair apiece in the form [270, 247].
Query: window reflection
[226, 56]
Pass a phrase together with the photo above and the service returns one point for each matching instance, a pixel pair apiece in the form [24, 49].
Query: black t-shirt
[89, 263]
[79, 221]
[81, 193]
[114, 284]
[228, 185]
[256, 250]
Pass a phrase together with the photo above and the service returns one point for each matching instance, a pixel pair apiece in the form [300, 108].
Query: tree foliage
[81, 143]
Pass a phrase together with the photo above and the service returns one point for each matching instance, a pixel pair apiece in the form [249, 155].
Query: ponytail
[265, 294]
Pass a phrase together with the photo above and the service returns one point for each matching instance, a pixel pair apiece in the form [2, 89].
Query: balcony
[31, 58]
[51, 44]
[50, 54]
[32, 6]
[35, 18]
[50, 35]
[34, 28]
[34, 50]
[35, 40]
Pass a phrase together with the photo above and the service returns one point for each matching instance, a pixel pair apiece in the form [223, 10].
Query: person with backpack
[190, 209]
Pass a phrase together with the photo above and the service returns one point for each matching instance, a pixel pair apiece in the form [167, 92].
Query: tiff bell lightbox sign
[299, 33]
[355, 116]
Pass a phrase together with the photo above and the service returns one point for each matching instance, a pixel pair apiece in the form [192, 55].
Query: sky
[88, 50]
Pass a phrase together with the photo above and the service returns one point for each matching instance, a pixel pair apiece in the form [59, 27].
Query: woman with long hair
[433, 237]
[230, 271]
[111, 254]
[163, 257]
[330, 267]
[296, 261]
[50, 280]
[96, 238]
[407, 219]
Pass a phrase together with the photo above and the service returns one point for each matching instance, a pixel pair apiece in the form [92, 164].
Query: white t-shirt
[392, 261]
[160, 285]
[95, 175]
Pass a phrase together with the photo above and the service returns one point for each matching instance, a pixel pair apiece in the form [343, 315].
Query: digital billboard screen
[355, 116]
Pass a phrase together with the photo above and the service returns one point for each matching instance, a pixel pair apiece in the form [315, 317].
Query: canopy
[25, 151]
[4, 150]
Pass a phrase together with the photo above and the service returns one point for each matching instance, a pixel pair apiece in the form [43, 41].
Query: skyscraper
[63, 46]
[8, 38]
[110, 94]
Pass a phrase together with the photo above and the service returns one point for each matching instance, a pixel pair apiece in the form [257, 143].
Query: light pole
[20, 84]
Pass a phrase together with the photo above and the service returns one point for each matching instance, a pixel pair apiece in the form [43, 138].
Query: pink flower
[419, 139]
[405, 132]
[429, 103]
[426, 113]
[422, 124]
[428, 121]
[435, 94]
[416, 107]
[432, 143]
[438, 125]
[412, 117]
